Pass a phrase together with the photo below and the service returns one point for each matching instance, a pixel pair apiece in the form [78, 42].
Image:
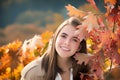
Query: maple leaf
[90, 21]
[5, 61]
[46, 36]
[93, 4]
[100, 22]
[117, 58]
[81, 57]
[113, 17]
[14, 45]
[74, 11]
[97, 70]
[30, 45]
[95, 36]
[104, 38]
[118, 43]
[119, 50]
[110, 1]
[113, 12]
[118, 20]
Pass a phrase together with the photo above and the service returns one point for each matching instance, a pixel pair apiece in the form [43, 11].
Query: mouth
[64, 48]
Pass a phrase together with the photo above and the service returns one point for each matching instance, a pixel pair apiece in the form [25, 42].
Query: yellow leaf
[8, 70]
[46, 36]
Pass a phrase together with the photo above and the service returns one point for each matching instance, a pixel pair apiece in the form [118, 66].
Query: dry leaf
[110, 1]
[74, 11]
[93, 4]
[81, 57]
[90, 21]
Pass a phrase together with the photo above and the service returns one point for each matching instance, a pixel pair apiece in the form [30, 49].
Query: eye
[75, 40]
[63, 36]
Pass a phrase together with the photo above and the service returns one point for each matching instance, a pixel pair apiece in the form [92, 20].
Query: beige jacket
[33, 71]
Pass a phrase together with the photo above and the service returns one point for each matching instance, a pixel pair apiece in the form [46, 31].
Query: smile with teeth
[64, 48]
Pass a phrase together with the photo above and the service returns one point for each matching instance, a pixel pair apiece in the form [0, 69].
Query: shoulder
[32, 70]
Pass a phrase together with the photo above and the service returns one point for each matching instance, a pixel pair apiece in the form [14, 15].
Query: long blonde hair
[49, 62]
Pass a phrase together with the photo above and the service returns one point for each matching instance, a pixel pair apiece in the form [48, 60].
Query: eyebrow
[65, 34]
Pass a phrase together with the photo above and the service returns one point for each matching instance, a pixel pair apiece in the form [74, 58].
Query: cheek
[58, 41]
[75, 46]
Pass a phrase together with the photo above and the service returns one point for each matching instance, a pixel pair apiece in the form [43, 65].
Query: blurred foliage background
[26, 39]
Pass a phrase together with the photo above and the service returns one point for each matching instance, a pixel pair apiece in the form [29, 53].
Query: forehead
[68, 29]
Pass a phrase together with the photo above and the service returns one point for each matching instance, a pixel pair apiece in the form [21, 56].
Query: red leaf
[105, 38]
[97, 69]
[116, 58]
[113, 12]
[100, 22]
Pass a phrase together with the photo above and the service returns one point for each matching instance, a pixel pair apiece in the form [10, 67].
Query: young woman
[58, 63]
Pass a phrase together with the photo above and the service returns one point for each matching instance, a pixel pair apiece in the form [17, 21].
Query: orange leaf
[90, 21]
[110, 1]
[93, 4]
[81, 57]
[100, 22]
[105, 38]
[119, 51]
[46, 36]
[74, 12]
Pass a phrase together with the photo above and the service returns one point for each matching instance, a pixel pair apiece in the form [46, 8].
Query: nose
[67, 42]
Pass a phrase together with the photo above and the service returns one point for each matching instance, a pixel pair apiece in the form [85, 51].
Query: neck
[64, 63]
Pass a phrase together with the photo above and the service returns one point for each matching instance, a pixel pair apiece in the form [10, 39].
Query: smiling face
[67, 43]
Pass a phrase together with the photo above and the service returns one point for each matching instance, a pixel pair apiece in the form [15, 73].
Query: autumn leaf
[113, 18]
[89, 24]
[112, 13]
[105, 43]
[119, 50]
[104, 38]
[97, 70]
[46, 36]
[93, 4]
[90, 21]
[116, 58]
[110, 1]
[17, 71]
[5, 61]
[30, 45]
[74, 11]
[14, 45]
[81, 57]
[100, 22]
